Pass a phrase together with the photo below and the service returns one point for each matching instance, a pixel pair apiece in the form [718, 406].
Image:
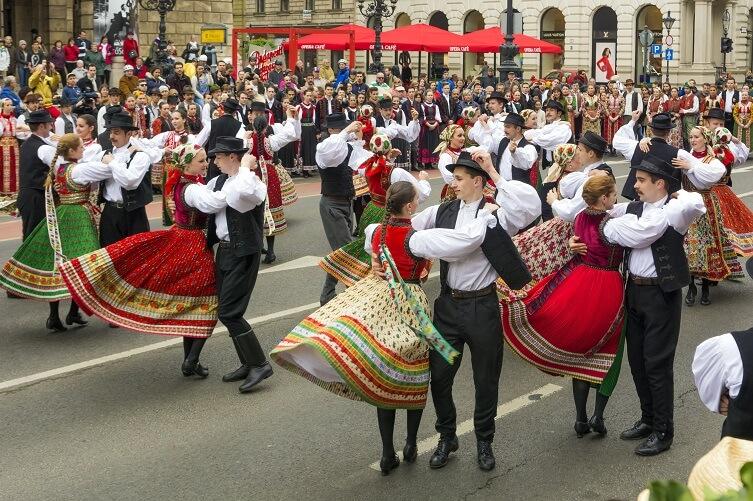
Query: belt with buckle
[458, 294]
[644, 280]
[117, 205]
[224, 244]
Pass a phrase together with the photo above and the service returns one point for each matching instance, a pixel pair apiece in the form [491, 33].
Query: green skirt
[350, 263]
[31, 271]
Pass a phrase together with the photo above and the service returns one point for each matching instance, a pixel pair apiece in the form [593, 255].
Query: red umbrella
[423, 37]
[489, 40]
[337, 41]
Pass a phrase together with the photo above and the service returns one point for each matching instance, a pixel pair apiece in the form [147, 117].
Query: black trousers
[475, 322]
[117, 223]
[653, 328]
[729, 121]
[546, 209]
[30, 204]
[236, 278]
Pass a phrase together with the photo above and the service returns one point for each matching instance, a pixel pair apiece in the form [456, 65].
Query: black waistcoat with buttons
[245, 229]
[669, 255]
[137, 198]
[338, 181]
[522, 175]
[739, 422]
[497, 247]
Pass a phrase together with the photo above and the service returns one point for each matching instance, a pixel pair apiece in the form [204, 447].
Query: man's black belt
[636, 280]
[339, 198]
[224, 244]
[117, 205]
[458, 294]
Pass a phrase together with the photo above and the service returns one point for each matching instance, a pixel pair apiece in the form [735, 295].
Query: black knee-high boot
[596, 423]
[270, 257]
[410, 451]
[74, 315]
[580, 395]
[692, 292]
[601, 404]
[705, 299]
[187, 342]
[386, 420]
[192, 349]
[53, 321]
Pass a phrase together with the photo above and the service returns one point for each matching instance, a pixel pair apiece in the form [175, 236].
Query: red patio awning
[489, 40]
[423, 37]
[337, 41]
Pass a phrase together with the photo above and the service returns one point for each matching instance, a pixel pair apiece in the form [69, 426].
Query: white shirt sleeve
[155, 154]
[568, 208]
[369, 234]
[90, 172]
[740, 151]
[59, 126]
[624, 140]
[202, 136]
[550, 136]
[159, 140]
[523, 158]
[486, 136]
[717, 368]
[101, 118]
[130, 177]
[452, 245]
[519, 205]
[425, 219]
[683, 210]
[22, 135]
[702, 175]
[445, 159]
[570, 183]
[244, 191]
[423, 187]
[46, 153]
[629, 231]
[408, 132]
[201, 197]
[694, 108]
[332, 151]
[283, 135]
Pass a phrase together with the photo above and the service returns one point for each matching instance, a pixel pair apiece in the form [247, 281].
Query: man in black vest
[626, 143]
[467, 309]
[238, 230]
[34, 169]
[224, 126]
[103, 138]
[515, 155]
[128, 192]
[657, 270]
[336, 159]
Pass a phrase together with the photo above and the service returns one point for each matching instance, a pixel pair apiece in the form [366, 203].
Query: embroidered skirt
[158, 282]
[307, 148]
[357, 346]
[360, 185]
[31, 271]
[737, 220]
[9, 161]
[273, 176]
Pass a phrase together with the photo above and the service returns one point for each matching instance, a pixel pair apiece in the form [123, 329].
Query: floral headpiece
[184, 154]
[562, 156]
[380, 144]
[444, 138]
[722, 135]
[367, 110]
[469, 113]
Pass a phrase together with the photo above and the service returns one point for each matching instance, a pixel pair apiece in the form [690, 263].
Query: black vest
[659, 148]
[522, 175]
[739, 422]
[33, 171]
[225, 126]
[498, 248]
[245, 229]
[136, 198]
[67, 124]
[338, 181]
[669, 255]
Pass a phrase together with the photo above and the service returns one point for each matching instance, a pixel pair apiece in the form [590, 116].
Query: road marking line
[301, 262]
[33, 378]
[746, 194]
[428, 444]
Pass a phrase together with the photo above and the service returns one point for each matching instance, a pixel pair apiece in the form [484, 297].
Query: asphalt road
[96, 413]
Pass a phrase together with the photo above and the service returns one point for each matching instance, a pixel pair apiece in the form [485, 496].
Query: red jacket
[128, 46]
[109, 53]
[70, 53]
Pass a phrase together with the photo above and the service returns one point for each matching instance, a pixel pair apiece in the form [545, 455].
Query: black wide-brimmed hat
[717, 113]
[258, 106]
[661, 121]
[466, 160]
[594, 142]
[658, 167]
[121, 120]
[40, 117]
[385, 103]
[337, 121]
[228, 144]
[556, 105]
[231, 105]
[497, 95]
[515, 119]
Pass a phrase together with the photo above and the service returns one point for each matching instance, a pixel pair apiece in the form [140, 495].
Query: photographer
[44, 81]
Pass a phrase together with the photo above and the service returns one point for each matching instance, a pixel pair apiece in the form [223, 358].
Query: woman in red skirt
[570, 323]
[8, 150]
[159, 282]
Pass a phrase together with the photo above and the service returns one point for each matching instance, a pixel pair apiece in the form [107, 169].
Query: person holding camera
[44, 81]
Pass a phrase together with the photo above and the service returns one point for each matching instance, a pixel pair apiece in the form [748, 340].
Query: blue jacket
[7, 93]
[342, 77]
[72, 94]
[449, 81]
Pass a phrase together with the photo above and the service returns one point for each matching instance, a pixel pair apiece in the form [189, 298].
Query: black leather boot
[259, 367]
[446, 445]
[486, 460]
[53, 321]
[705, 299]
[691, 294]
[74, 316]
[241, 372]
[191, 365]
[270, 256]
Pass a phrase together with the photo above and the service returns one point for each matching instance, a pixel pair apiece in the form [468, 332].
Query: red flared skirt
[737, 220]
[570, 322]
[9, 161]
[159, 282]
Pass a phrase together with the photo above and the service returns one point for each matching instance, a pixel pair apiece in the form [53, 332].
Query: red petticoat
[737, 220]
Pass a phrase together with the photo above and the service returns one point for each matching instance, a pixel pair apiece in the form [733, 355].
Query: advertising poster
[605, 55]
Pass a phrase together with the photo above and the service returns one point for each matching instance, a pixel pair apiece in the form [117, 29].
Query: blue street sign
[656, 49]
[669, 54]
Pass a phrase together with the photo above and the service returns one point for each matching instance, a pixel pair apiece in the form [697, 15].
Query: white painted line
[533, 396]
[40, 376]
[301, 262]
[746, 194]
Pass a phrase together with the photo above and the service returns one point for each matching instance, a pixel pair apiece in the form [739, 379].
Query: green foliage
[670, 490]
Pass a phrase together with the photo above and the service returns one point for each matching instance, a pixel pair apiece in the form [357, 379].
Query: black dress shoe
[410, 452]
[387, 464]
[75, 319]
[581, 428]
[255, 376]
[690, 296]
[441, 454]
[269, 258]
[705, 299]
[194, 368]
[486, 459]
[238, 374]
[596, 423]
[637, 431]
[54, 324]
[656, 443]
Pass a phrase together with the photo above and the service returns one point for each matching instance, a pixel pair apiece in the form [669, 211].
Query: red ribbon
[174, 176]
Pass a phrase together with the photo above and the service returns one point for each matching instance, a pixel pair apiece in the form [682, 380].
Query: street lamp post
[668, 22]
[377, 9]
[162, 7]
[725, 32]
[508, 50]
[646, 38]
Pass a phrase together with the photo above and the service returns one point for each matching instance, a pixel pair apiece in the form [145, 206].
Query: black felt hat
[337, 121]
[258, 106]
[661, 121]
[717, 113]
[231, 105]
[385, 103]
[228, 144]
[594, 142]
[551, 103]
[465, 160]
[121, 120]
[40, 117]
[497, 95]
[514, 119]
[658, 167]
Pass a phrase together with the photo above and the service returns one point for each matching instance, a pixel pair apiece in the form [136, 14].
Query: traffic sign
[669, 54]
[668, 40]
[656, 49]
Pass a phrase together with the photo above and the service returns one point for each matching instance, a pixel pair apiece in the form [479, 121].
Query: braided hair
[67, 143]
[399, 194]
